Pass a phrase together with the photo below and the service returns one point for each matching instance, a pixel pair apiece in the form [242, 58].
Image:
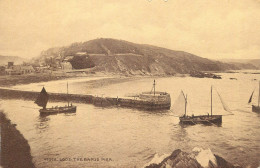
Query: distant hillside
[243, 62]
[120, 56]
[5, 59]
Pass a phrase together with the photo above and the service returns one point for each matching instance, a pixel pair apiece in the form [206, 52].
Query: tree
[81, 62]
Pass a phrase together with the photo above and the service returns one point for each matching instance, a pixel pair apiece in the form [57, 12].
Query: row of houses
[58, 63]
[12, 69]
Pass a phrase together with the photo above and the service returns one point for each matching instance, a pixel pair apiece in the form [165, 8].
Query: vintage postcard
[129, 83]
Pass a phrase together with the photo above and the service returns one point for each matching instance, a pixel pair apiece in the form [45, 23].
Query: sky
[214, 29]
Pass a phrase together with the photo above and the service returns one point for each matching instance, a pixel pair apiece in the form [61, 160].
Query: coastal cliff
[123, 57]
[15, 150]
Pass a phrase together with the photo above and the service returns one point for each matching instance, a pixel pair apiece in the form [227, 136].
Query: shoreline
[13, 80]
[109, 78]
[8, 81]
[15, 149]
[105, 79]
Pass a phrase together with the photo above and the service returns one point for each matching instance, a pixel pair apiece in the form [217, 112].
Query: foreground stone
[197, 159]
[15, 150]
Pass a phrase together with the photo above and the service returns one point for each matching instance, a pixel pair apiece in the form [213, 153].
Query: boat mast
[186, 103]
[211, 100]
[68, 93]
[154, 87]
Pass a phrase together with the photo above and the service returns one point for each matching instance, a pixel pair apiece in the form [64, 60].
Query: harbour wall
[89, 99]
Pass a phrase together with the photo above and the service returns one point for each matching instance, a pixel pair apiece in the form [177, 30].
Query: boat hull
[55, 110]
[148, 101]
[256, 108]
[203, 119]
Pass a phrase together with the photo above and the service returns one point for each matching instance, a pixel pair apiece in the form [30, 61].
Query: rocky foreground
[15, 150]
[199, 158]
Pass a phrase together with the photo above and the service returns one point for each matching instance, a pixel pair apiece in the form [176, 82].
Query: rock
[198, 74]
[15, 150]
[222, 163]
[204, 157]
[178, 159]
[199, 158]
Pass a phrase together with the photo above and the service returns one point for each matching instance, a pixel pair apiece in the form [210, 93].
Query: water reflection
[42, 123]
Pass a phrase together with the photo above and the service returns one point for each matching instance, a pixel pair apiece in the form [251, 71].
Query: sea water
[123, 137]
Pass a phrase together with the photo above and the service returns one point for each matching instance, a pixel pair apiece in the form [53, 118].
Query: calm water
[132, 137]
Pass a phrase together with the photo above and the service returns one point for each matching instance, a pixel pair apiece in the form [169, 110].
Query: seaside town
[48, 65]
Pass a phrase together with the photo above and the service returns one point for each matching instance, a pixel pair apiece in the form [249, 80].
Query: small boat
[200, 119]
[255, 108]
[42, 101]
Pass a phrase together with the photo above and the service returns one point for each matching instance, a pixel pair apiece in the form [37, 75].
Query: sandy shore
[91, 80]
[8, 81]
[15, 150]
[109, 81]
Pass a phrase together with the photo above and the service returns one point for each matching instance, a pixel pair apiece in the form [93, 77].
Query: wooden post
[154, 87]
[186, 104]
[68, 93]
[259, 94]
[211, 100]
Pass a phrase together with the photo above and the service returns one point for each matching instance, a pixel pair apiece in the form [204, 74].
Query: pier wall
[89, 99]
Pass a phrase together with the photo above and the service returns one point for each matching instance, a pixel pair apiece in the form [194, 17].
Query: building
[10, 64]
[66, 66]
[19, 69]
[27, 69]
[2, 70]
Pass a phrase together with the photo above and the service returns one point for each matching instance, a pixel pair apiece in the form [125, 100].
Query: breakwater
[159, 102]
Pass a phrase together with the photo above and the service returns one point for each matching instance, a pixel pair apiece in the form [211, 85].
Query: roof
[27, 67]
[9, 70]
[58, 58]
[68, 58]
[22, 67]
[81, 53]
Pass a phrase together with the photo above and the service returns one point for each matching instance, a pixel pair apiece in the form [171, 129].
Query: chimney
[10, 64]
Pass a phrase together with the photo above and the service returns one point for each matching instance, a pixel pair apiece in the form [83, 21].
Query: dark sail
[251, 97]
[42, 98]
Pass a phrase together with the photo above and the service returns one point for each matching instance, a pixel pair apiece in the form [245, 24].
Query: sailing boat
[42, 101]
[255, 108]
[200, 119]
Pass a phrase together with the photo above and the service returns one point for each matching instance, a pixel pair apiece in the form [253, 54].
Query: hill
[243, 62]
[119, 56]
[5, 59]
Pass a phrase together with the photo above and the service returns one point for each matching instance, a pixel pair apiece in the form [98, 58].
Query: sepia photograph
[129, 84]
